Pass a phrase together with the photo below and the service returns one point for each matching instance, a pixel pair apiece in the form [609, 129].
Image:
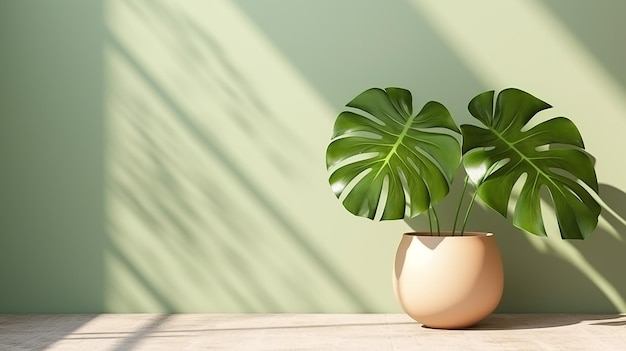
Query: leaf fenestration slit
[348, 188]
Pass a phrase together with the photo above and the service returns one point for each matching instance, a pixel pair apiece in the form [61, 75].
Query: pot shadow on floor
[520, 321]
[540, 321]
[619, 323]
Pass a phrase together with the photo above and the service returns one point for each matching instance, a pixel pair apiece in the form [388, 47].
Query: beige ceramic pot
[448, 281]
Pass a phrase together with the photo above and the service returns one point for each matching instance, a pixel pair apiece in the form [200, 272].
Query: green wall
[52, 223]
[168, 156]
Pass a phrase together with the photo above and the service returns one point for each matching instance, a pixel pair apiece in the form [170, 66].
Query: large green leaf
[550, 155]
[389, 154]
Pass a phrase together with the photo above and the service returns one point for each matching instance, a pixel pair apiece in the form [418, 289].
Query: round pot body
[448, 281]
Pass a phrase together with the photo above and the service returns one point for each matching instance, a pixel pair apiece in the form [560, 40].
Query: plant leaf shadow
[615, 208]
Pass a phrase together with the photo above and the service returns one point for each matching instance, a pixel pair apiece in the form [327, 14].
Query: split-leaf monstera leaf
[387, 162]
[549, 155]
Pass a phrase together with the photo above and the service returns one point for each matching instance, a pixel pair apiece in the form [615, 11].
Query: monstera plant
[387, 162]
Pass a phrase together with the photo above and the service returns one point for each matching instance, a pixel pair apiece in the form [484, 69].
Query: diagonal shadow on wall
[191, 228]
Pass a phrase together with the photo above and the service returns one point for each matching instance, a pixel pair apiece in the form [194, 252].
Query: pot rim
[448, 234]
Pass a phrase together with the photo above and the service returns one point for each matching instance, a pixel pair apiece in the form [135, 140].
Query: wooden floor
[305, 332]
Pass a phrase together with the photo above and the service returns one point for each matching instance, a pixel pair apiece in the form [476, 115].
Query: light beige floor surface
[305, 332]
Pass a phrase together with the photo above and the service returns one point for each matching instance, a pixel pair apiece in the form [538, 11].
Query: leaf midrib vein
[398, 142]
[523, 157]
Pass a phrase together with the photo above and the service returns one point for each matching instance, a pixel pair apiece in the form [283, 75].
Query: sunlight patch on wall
[217, 195]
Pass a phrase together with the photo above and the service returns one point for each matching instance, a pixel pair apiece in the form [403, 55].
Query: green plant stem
[469, 209]
[458, 208]
[430, 222]
[436, 221]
